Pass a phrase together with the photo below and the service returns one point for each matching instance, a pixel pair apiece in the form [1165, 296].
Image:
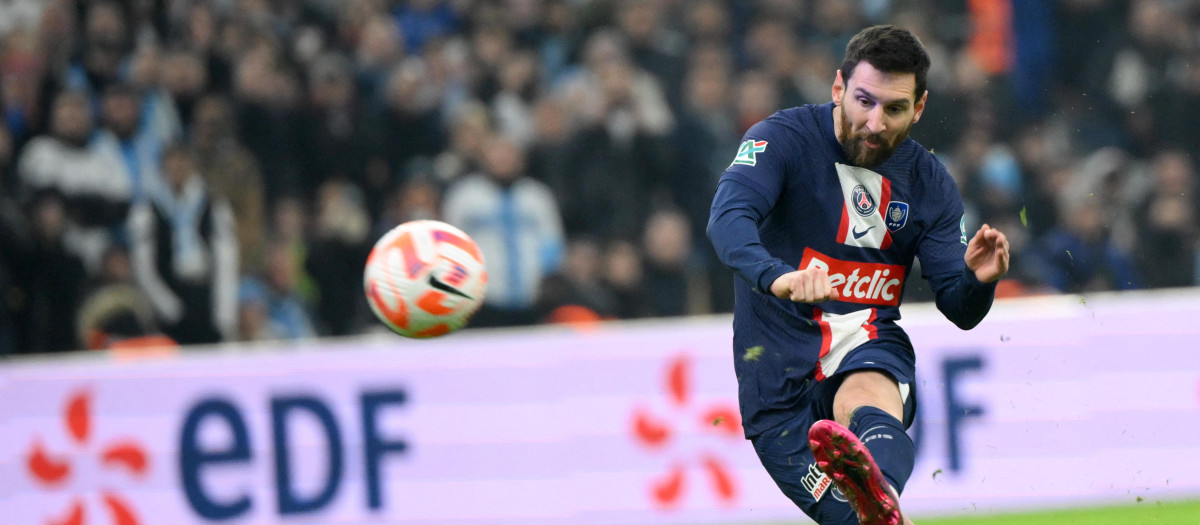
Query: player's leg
[870, 404]
[842, 455]
[866, 450]
[785, 454]
[867, 388]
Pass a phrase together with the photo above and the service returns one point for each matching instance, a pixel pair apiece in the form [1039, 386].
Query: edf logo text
[197, 457]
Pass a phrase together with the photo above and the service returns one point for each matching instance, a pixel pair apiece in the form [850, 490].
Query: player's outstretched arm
[987, 254]
[964, 295]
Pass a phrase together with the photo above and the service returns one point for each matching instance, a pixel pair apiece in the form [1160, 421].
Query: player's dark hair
[889, 49]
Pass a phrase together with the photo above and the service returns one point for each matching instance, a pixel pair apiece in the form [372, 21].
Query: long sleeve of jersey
[962, 298]
[733, 221]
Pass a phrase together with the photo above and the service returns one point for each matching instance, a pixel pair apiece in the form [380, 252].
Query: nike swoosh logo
[858, 234]
[437, 284]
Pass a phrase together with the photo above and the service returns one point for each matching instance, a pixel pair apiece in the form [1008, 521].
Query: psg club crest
[896, 216]
[864, 203]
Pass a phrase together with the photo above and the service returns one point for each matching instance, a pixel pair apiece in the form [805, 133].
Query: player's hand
[810, 285]
[987, 254]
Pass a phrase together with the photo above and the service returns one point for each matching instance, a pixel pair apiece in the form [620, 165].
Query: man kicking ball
[821, 215]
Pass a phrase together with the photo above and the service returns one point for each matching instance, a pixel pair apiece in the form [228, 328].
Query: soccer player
[821, 214]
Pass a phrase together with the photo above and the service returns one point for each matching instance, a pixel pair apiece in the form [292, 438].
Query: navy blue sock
[891, 447]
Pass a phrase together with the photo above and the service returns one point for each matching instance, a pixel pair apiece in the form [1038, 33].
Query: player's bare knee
[868, 388]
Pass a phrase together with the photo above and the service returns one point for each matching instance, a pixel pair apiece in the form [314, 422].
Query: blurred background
[215, 171]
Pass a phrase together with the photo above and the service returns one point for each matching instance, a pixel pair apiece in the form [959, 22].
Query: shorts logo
[896, 216]
[837, 494]
[816, 482]
[962, 229]
[747, 151]
[864, 203]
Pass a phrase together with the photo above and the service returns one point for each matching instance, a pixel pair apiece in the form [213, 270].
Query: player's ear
[839, 87]
[919, 107]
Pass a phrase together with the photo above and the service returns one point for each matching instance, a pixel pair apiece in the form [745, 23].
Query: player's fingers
[793, 283]
[821, 287]
[801, 287]
[980, 236]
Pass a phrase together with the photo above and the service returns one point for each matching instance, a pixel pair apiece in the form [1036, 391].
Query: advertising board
[1048, 403]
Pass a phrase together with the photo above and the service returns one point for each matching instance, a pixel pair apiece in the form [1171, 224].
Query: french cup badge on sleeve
[896, 216]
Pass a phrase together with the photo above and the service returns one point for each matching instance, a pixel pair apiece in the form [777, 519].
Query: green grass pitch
[1143, 513]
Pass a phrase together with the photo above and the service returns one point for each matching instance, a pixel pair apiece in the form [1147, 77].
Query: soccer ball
[424, 279]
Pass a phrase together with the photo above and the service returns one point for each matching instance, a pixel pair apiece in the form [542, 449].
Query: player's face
[875, 111]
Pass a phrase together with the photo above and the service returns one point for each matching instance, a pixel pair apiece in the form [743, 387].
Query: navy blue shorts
[783, 449]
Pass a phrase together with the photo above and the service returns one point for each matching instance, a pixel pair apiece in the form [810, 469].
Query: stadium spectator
[1167, 249]
[253, 322]
[620, 151]
[774, 51]
[12, 233]
[200, 35]
[185, 78]
[709, 22]
[516, 223]
[231, 173]
[91, 180]
[22, 88]
[290, 222]
[469, 125]
[704, 134]
[48, 279]
[7, 175]
[624, 274]
[423, 20]
[185, 254]
[337, 252]
[267, 97]
[273, 309]
[756, 97]
[410, 123]
[159, 118]
[105, 42]
[333, 131]
[671, 273]
[123, 136]
[379, 48]
[417, 197]
[549, 152]
[116, 312]
[654, 46]
[513, 105]
[578, 285]
[1079, 255]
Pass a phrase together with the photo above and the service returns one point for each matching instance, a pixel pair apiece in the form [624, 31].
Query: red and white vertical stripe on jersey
[841, 334]
[854, 229]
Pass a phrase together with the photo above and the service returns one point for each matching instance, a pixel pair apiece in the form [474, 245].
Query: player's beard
[856, 149]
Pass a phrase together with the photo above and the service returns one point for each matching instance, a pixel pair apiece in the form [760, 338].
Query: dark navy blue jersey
[791, 200]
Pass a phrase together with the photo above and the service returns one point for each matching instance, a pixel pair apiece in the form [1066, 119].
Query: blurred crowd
[217, 170]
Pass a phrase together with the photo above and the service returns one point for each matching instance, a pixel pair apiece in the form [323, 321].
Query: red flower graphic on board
[54, 470]
[655, 433]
